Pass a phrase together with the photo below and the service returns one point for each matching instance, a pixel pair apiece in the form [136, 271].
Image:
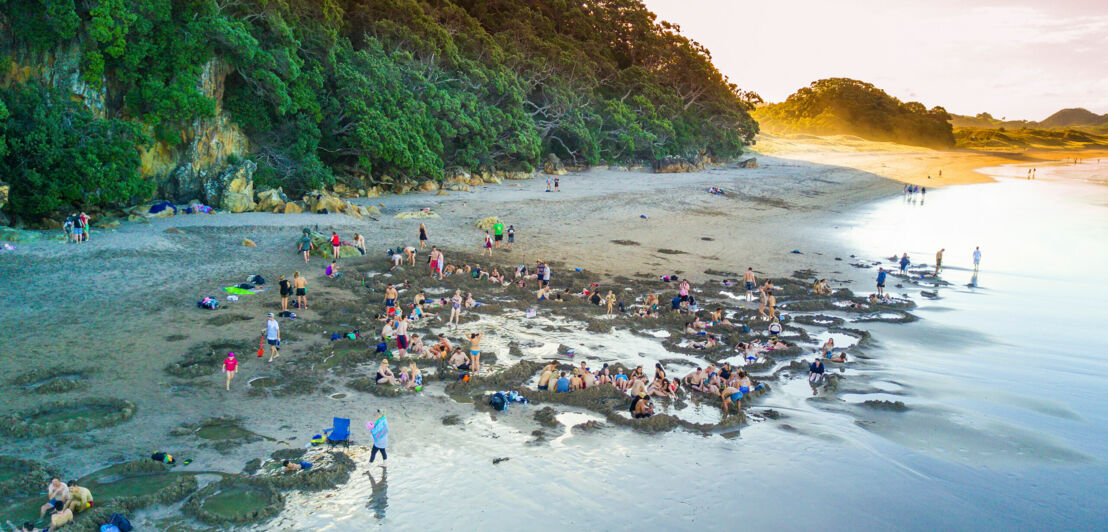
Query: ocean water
[1004, 380]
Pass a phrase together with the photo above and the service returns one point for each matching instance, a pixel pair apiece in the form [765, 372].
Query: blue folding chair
[339, 432]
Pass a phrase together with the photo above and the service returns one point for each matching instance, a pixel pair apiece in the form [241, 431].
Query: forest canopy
[842, 106]
[368, 88]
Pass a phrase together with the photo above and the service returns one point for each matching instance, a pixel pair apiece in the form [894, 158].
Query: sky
[1020, 59]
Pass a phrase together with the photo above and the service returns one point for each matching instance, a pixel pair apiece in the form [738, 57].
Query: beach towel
[162, 206]
[238, 291]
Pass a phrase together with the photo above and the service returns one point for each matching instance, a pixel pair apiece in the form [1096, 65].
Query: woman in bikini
[384, 374]
[475, 351]
[422, 236]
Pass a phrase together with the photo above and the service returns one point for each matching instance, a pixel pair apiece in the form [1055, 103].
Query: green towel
[238, 291]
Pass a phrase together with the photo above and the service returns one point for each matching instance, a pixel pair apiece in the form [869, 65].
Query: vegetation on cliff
[380, 90]
[842, 106]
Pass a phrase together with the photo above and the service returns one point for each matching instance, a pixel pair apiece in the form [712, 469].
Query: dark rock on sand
[67, 416]
[545, 417]
[891, 406]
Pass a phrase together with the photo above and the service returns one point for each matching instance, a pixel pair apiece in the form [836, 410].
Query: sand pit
[235, 501]
[54, 380]
[67, 416]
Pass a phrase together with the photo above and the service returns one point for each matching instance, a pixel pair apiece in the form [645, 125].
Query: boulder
[517, 175]
[400, 188]
[238, 202]
[352, 211]
[674, 165]
[457, 175]
[476, 181]
[237, 179]
[487, 223]
[271, 200]
[319, 200]
[491, 178]
[249, 243]
[106, 223]
[373, 192]
[553, 165]
[344, 191]
[293, 207]
[748, 163]
[428, 186]
[458, 187]
[4, 190]
[372, 209]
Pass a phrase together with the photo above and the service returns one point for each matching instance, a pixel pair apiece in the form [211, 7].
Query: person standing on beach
[306, 245]
[286, 291]
[301, 286]
[380, 431]
[422, 236]
[511, 235]
[548, 183]
[273, 336]
[475, 351]
[497, 233]
[488, 245]
[336, 245]
[402, 336]
[455, 308]
[391, 295]
[557, 183]
[750, 282]
[611, 301]
[230, 367]
[976, 258]
[939, 261]
[881, 274]
[904, 262]
[85, 219]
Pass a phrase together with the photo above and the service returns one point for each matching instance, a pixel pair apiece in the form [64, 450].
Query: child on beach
[305, 245]
[230, 367]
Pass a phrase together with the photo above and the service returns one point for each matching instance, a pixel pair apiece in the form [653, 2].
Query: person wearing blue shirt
[881, 274]
[562, 384]
[976, 258]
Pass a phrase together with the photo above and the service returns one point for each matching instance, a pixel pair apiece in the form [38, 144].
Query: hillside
[1074, 117]
[1001, 139]
[1066, 118]
[111, 102]
[842, 106]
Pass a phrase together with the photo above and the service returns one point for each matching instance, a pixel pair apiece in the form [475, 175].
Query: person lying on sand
[839, 357]
[689, 329]
[384, 374]
[699, 324]
[708, 343]
[292, 467]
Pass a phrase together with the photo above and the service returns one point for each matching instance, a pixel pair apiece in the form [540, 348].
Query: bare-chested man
[750, 282]
[729, 395]
[548, 373]
[300, 284]
[391, 296]
[939, 261]
[475, 351]
[61, 517]
[402, 336]
[459, 360]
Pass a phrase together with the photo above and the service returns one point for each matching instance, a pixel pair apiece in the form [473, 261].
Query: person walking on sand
[273, 336]
[422, 236]
[286, 291]
[750, 282]
[336, 245]
[976, 258]
[380, 431]
[230, 367]
[611, 301]
[306, 246]
[488, 245]
[904, 262]
[511, 235]
[881, 274]
[771, 305]
[475, 351]
[300, 284]
[497, 233]
[455, 308]
[939, 261]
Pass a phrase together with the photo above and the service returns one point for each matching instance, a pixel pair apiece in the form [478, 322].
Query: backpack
[120, 522]
[498, 402]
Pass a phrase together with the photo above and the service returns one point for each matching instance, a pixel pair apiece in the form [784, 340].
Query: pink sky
[1022, 59]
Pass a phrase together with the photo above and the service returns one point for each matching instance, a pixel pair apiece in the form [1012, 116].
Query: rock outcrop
[233, 189]
[748, 163]
[674, 165]
[553, 165]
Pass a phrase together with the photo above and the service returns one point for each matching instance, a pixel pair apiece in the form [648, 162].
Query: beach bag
[256, 279]
[109, 528]
[498, 402]
[120, 523]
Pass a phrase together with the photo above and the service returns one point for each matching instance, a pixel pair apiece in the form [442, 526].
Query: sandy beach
[119, 310]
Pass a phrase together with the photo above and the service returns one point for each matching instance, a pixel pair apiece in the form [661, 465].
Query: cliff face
[179, 171]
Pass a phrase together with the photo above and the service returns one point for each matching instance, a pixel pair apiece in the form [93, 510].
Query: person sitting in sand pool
[61, 516]
[774, 328]
[588, 379]
[563, 383]
[459, 360]
[496, 277]
[689, 329]
[443, 347]
[827, 347]
[384, 374]
[404, 377]
[547, 374]
[332, 270]
[708, 343]
[838, 357]
[641, 407]
[651, 301]
[603, 376]
[815, 374]
[619, 380]
[470, 302]
[731, 395]
[416, 376]
[662, 388]
[58, 493]
[80, 498]
[694, 378]
[388, 331]
[292, 467]
[575, 382]
[698, 323]
[718, 319]
[416, 314]
[415, 345]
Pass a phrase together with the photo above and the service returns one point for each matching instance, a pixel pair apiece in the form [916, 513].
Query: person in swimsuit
[409, 252]
[488, 245]
[455, 308]
[61, 517]
[300, 284]
[391, 296]
[748, 279]
[306, 246]
[286, 291]
[80, 498]
[422, 236]
[359, 243]
[402, 337]
[771, 306]
[683, 290]
[336, 245]
[230, 367]
[620, 380]
[731, 395]
[511, 235]
[557, 183]
[58, 493]
[384, 374]
[547, 374]
[939, 261]
[611, 301]
[475, 351]
[459, 360]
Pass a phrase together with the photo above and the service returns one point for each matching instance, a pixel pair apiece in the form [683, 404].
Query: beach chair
[339, 432]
